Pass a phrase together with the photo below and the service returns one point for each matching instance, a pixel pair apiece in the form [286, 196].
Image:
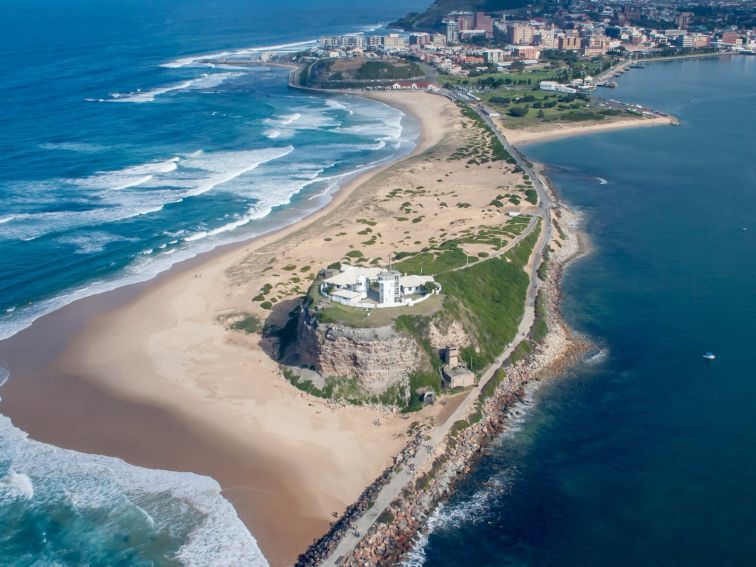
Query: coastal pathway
[406, 475]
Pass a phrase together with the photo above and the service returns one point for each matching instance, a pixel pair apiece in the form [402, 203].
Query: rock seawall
[378, 358]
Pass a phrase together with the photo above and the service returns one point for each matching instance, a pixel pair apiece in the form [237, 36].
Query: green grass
[374, 70]
[433, 262]
[521, 351]
[491, 296]
[540, 326]
[248, 324]
[488, 390]
[354, 317]
[339, 388]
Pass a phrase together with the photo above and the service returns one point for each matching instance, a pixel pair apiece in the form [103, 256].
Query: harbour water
[121, 155]
[644, 454]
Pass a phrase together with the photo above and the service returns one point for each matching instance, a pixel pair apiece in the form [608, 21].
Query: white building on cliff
[371, 288]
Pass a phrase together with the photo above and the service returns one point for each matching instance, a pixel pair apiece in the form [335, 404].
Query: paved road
[400, 480]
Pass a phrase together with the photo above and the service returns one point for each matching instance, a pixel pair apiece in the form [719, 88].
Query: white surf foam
[602, 181]
[206, 81]
[15, 485]
[598, 358]
[204, 59]
[4, 373]
[479, 506]
[92, 242]
[142, 189]
[286, 120]
[306, 118]
[339, 105]
[227, 166]
[81, 147]
[128, 176]
[184, 175]
[50, 474]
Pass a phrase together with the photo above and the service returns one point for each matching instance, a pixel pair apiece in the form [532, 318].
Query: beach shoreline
[550, 132]
[71, 396]
[53, 401]
[402, 535]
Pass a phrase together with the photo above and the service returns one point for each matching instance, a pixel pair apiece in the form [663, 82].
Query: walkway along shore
[378, 529]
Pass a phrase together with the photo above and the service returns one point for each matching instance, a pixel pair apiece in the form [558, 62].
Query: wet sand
[286, 461]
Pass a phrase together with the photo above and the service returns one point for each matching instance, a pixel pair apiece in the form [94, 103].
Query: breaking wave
[481, 504]
[208, 58]
[143, 189]
[206, 81]
[101, 498]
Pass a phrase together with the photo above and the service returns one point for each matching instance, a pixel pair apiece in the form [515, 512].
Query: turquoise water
[120, 155]
[645, 454]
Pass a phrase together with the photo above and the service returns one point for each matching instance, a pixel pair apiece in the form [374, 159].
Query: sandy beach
[152, 375]
[553, 131]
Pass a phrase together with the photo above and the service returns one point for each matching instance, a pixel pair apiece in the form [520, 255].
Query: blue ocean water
[645, 454]
[121, 154]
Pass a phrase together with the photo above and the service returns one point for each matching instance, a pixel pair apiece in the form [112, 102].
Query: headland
[180, 374]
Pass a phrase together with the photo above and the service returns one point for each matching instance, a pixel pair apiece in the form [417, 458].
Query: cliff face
[378, 358]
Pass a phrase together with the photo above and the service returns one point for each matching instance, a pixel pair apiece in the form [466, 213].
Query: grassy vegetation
[488, 390]
[354, 317]
[491, 297]
[521, 351]
[487, 297]
[449, 255]
[248, 324]
[341, 73]
[516, 94]
[540, 326]
[484, 150]
[382, 70]
[434, 261]
[422, 380]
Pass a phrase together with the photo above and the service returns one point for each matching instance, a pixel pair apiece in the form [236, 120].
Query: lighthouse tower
[388, 286]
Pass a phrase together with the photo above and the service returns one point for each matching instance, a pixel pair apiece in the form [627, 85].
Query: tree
[429, 287]
[518, 111]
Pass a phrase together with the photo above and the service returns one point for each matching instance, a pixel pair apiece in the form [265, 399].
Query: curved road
[401, 479]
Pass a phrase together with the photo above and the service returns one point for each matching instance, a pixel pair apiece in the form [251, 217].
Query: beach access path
[427, 454]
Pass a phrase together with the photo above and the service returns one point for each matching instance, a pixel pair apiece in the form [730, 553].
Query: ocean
[645, 453]
[120, 155]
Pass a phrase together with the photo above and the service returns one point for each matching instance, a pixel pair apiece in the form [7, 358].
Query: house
[456, 374]
[413, 284]
[413, 85]
[358, 286]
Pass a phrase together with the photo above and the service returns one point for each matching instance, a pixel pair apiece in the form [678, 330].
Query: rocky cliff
[378, 358]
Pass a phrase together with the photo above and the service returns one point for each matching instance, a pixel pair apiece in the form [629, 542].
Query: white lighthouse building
[389, 287]
[370, 288]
